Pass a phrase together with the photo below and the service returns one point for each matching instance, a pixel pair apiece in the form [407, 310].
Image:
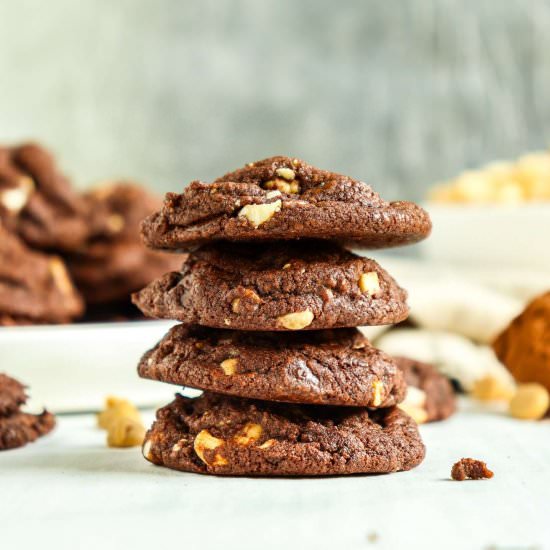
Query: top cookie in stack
[268, 299]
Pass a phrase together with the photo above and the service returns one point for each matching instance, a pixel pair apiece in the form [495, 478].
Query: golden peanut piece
[206, 441]
[229, 366]
[297, 320]
[60, 275]
[248, 296]
[286, 173]
[287, 266]
[418, 414]
[146, 449]
[282, 186]
[369, 283]
[115, 409]
[125, 432]
[530, 402]
[415, 397]
[490, 388]
[257, 214]
[250, 433]
[115, 223]
[267, 444]
[16, 198]
[378, 392]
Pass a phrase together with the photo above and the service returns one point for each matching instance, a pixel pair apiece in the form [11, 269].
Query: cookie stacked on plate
[268, 301]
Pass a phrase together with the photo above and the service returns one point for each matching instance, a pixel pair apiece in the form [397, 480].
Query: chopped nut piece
[229, 366]
[369, 283]
[250, 433]
[490, 388]
[272, 194]
[125, 432]
[227, 322]
[146, 449]
[115, 409]
[267, 444]
[283, 186]
[286, 173]
[418, 414]
[206, 441]
[297, 320]
[115, 222]
[530, 402]
[248, 296]
[470, 468]
[378, 388]
[60, 275]
[257, 214]
[16, 198]
[286, 266]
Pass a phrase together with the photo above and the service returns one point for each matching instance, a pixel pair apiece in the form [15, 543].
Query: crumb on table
[470, 468]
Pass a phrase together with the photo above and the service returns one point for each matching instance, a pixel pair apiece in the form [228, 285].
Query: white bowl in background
[490, 235]
[74, 367]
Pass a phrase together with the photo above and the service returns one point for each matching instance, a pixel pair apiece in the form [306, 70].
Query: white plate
[490, 235]
[73, 367]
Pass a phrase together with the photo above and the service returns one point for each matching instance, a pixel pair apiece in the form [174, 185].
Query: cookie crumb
[373, 537]
[470, 468]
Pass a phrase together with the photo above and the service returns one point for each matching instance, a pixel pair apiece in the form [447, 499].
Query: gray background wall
[400, 93]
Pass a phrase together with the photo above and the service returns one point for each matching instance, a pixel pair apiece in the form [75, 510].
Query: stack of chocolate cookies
[268, 301]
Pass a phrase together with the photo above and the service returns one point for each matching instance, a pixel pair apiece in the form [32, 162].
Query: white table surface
[70, 491]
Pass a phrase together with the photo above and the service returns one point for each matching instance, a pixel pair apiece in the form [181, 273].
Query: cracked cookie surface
[283, 198]
[283, 286]
[332, 367]
[227, 436]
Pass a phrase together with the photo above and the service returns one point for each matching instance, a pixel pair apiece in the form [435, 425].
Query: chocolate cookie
[18, 429]
[37, 201]
[113, 262]
[282, 198]
[430, 395]
[12, 395]
[34, 287]
[283, 286]
[524, 346]
[332, 367]
[223, 435]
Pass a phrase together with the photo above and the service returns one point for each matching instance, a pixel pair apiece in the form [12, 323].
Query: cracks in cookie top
[283, 198]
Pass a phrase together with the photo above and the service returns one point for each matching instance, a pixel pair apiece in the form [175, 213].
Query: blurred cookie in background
[37, 201]
[35, 288]
[524, 346]
[113, 262]
[430, 395]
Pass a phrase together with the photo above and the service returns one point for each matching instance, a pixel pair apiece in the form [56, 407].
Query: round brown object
[113, 262]
[524, 347]
[439, 401]
[37, 201]
[332, 367]
[221, 435]
[34, 287]
[282, 198]
[284, 286]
